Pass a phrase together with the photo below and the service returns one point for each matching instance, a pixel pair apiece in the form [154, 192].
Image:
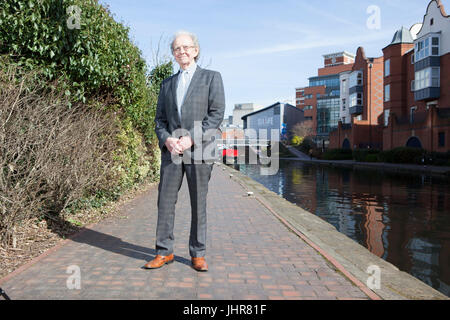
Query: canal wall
[438, 171]
[443, 172]
[348, 257]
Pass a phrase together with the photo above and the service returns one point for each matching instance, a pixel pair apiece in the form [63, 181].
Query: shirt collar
[190, 70]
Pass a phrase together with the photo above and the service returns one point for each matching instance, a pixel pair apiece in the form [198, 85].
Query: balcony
[356, 110]
[427, 93]
[427, 63]
[356, 89]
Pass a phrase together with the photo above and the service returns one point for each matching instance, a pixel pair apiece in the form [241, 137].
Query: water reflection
[403, 219]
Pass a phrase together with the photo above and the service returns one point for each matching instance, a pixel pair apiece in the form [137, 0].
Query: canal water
[403, 219]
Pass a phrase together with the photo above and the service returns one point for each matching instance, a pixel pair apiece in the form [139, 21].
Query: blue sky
[265, 49]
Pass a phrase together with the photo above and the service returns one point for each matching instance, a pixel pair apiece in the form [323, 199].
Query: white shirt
[184, 80]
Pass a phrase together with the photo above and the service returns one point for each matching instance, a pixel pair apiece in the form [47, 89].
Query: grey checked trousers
[171, 178]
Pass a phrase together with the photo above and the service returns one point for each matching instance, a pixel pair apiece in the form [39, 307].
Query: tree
[303, 129]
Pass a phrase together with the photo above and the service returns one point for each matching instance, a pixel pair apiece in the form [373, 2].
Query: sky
[265, 49]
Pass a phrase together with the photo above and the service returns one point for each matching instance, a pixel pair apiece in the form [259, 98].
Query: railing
[356, 109]
[243, 142]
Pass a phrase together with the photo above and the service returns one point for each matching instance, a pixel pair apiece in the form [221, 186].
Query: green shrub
[361, 155]
[306, 145]
[437, 158]
[96, 62]
[98, 59]
[401, 155]
[338, 154]
[371, 158]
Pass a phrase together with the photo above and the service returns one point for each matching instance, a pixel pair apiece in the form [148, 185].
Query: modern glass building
[328, 115]
[328, 104]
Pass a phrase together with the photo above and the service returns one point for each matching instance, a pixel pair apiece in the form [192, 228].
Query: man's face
[184, 51]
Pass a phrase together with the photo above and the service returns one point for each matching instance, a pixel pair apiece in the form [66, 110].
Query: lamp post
[369, 83]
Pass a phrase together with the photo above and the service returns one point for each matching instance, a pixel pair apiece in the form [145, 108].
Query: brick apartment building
[320, 101]
[413, 79]
[362, 101]
[417, 112]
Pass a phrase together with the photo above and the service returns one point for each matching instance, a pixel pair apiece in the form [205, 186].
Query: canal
[403, 219]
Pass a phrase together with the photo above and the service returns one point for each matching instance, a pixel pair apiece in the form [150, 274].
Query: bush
[402, 155]
[98, 59]
[306, 145]
[50, 154]
[338, 154]
[296, 140]
[371, 158]
[437, 158]
[365, 155]
[77, 108]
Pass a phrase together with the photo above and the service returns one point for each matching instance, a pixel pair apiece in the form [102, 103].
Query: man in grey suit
[191, 103]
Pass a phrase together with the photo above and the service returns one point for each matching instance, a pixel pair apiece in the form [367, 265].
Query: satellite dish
[414, 30]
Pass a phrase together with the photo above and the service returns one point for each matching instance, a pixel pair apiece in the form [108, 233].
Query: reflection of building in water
[362, 208]
[374, 227]
[426, 214]
[402, 219]
[297, 184]
[378, 205]
[425, 259]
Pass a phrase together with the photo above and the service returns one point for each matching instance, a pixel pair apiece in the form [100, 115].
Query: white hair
[190, 34]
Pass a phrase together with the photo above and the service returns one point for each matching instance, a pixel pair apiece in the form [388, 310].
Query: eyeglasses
[185, 48]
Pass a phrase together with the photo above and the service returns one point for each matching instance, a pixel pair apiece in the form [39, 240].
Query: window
[431, 21]
[276, 111]
[386, 117]
[387, 68]
[411, 114]
[344, 85]
[387, 93]
[441, 139]
[435, 77]
[335, 93]
[355, 79]
[427, 47]
[330, 82]
[413, 85]
[429, 77]
[435, 46]
[343, 104]
[356, 99]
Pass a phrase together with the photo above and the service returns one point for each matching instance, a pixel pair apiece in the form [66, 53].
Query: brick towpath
[251, 255]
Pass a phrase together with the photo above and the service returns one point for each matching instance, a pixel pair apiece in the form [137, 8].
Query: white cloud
[339, 42]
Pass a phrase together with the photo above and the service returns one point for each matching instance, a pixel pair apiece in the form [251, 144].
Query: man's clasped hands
[178, 146]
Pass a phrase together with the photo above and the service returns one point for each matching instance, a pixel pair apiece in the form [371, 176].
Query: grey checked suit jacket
[204, 102]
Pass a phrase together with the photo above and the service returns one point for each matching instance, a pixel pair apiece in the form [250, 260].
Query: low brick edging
[44, 254]
[347, 256]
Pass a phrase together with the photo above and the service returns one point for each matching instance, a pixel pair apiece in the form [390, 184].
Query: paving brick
[251, 255]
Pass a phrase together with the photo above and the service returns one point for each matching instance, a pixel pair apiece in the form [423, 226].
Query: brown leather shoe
[199, 264]
[159, 261]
